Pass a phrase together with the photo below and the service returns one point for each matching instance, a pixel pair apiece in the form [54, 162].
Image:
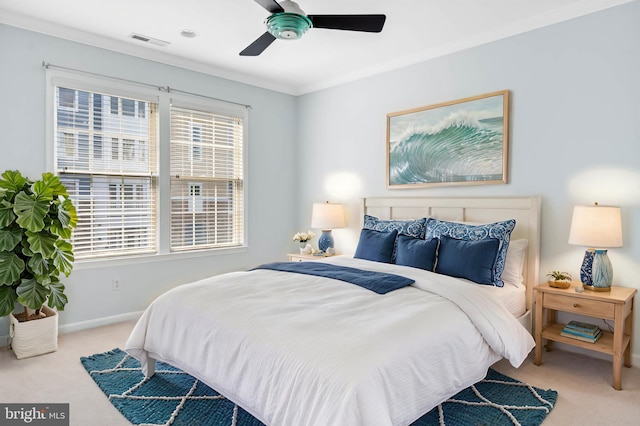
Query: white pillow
[512, 273]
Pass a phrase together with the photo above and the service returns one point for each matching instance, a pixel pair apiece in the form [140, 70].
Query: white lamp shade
[596, 226]
[327, 216]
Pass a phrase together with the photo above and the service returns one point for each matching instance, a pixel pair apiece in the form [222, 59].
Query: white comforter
[300, 350]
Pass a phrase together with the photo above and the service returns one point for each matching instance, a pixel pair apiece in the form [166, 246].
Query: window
[196, 148]
[142, 109]
[67, 99]
[129, 107]
[128, 149]
[207, 182]
[115, 148]
[107, 137]
[115, 196]
[143, 150]
[114, 102]
[195, 198]
[69, 145]
[97, 147]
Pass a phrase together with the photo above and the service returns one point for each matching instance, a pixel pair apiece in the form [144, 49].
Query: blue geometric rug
[172, 397]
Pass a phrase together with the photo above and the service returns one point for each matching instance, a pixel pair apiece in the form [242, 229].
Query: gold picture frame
[461, 142]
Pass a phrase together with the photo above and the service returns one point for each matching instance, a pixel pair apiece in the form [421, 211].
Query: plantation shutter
[105, 154]
[207, 205]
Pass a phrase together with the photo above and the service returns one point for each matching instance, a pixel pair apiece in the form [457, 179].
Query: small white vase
[305, 249]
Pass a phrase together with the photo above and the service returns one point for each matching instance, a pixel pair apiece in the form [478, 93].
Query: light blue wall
[574, 130]
[271, 190]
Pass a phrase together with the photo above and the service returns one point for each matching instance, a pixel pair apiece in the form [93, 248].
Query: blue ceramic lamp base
[325, 241]
[596, 272]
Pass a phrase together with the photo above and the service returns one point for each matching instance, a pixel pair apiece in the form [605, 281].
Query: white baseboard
[85, 325]
[98, 322]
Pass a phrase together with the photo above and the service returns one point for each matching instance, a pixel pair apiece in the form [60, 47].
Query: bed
[298, 349]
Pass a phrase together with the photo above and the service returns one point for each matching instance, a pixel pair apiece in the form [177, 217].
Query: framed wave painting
[461, 142]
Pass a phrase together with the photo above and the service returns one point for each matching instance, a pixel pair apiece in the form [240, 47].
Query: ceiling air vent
[149, 40]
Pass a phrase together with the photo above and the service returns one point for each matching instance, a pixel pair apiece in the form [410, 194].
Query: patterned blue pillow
[412, 228]
[499, 230]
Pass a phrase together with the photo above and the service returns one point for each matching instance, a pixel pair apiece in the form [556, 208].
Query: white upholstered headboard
[525, 210]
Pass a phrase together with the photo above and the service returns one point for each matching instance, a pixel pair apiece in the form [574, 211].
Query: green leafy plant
[559, 276]
[36, 222]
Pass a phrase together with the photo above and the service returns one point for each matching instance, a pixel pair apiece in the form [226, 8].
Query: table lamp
[596, 227]
[327, 216]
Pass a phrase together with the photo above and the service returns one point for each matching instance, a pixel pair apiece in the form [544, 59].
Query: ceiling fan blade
[271, 5]
[368, 23]
[258, 46]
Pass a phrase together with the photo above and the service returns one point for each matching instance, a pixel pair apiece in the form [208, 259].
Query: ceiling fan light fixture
[288, 26]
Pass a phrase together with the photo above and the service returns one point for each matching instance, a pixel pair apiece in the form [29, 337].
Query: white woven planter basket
[35, 337]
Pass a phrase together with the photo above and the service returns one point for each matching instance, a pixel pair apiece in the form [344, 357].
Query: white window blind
[207, 205]
[105, 154]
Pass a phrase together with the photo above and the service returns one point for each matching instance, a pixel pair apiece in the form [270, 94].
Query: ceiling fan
[289, 22]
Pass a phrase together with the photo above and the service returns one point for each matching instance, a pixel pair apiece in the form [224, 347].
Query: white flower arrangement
[303, 237]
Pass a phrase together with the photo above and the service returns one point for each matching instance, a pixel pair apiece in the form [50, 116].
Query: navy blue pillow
[462, 231]
[473, 260]
[376, 246]
[416, 253]
[412, 227]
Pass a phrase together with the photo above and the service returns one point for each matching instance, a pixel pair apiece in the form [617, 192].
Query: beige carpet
[583, 383]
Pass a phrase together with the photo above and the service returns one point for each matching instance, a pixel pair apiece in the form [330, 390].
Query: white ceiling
[415, 30]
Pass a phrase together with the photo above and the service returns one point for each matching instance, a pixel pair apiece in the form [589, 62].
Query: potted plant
[304, 238]
[559, 279]
[36, 221]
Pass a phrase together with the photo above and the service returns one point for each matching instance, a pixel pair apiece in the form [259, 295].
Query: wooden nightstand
[296, 257]
[616, 305]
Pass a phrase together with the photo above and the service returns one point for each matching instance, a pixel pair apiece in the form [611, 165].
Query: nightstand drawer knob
[575, 305]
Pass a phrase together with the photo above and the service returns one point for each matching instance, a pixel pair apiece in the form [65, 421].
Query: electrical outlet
[115, 285]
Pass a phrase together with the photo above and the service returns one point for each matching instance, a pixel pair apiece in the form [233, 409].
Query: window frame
[117, 87]
[223, 109]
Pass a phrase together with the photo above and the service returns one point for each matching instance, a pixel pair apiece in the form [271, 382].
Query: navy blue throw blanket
[379, 282]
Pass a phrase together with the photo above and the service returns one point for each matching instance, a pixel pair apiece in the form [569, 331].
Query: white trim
[99, 322]
[208, 105]
[112, 262]
[82, 81]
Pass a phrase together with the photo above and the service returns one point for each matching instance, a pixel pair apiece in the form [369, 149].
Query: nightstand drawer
[579, 305]
[295, 257]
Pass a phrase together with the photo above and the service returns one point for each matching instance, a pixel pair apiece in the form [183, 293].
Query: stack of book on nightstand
[582, 331]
